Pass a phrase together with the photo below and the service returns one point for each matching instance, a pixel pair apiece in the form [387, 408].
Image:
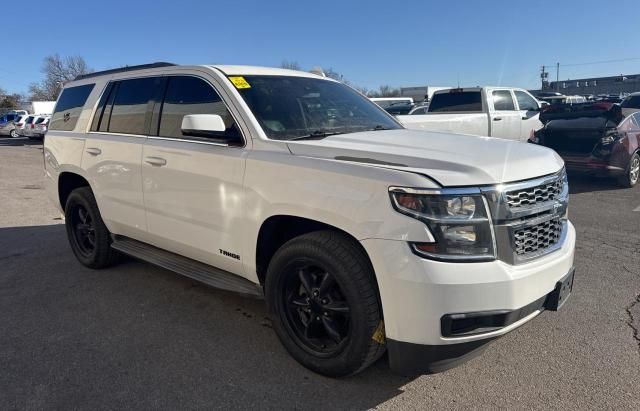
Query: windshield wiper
[316, 135]
[380, 127]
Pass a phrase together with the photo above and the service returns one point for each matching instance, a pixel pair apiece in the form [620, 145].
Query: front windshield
[298, 107]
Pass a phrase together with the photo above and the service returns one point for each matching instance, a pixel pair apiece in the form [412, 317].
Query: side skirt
[193, 269]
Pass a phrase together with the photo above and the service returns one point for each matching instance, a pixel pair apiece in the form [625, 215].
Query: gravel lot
[139, 337]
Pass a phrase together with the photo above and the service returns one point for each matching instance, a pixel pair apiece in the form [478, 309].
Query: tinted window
[525, 101]
[631, 102]
[191, 95]
[69, 106]
[465, 101]
[291, 107]
[636, 119]
[29, 120]
[502, 100]
[39, 120]
[129, 112]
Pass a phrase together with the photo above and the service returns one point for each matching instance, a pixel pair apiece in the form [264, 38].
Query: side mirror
[203, 125]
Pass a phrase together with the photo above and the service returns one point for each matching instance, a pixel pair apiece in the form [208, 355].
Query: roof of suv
[225, 69]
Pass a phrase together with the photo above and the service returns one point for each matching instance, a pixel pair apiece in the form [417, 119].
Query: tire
[89, 238]
[632, 174]
[339, 342]
[14, 133]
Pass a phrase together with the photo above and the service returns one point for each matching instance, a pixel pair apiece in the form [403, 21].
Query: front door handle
[497, 119]
[94, 151]
[155, 161]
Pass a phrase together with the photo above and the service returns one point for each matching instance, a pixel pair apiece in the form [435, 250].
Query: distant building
[420, 92]
[624, 83]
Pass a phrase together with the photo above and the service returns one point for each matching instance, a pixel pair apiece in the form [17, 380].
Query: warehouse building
[622, 84]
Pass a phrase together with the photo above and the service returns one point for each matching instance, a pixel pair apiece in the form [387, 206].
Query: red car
[594, 138]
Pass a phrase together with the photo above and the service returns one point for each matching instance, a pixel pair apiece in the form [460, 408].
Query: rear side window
[131, 105]
[190, 95]
[457, 101]
[29, 120]
[502, 100]
[39, 120]
[69, 107]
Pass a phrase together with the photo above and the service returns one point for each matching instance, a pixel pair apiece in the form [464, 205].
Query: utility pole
[557, 76]
[544, 78]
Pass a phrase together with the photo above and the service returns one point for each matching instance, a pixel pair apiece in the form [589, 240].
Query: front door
[529, 110]
[504, 118]
[193, 186]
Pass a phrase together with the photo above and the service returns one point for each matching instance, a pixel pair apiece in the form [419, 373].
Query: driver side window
[525, 101]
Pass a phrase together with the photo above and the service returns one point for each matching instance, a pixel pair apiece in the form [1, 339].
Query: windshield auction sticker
[239, 82]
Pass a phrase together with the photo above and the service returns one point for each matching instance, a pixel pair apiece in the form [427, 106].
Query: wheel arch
[276, 230]
[67, 182]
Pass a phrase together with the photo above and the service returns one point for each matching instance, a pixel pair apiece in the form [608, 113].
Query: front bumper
[417, 293]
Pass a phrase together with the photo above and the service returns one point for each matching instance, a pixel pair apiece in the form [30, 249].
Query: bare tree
[57, 71]
[385, 91]
[291, 65]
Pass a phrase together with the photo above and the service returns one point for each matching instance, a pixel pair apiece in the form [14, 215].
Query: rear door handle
[155, 161]
[497, 119]
[94, 151]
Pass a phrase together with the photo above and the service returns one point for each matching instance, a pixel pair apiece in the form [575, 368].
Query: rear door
[529, 110]
[503, 115]
[193, 189]
[113, 152]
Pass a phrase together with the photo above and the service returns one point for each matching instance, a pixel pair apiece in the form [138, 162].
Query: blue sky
[370, 42]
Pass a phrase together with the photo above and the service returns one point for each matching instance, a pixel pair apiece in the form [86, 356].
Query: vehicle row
[24, 125]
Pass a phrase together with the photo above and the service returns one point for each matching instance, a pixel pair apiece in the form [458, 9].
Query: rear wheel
[14, 133]
[632, 174]
[322, 297]
[88, 236]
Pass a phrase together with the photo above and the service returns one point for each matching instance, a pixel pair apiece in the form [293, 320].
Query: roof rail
[123, 69]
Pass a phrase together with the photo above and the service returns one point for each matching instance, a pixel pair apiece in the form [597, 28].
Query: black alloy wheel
[317, 312]
[84, 230]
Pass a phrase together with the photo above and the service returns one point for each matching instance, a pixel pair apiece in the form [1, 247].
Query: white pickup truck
[361, 236]
[502, 112]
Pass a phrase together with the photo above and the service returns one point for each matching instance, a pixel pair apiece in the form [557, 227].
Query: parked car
[630, 104]
[39, 128]
[20, 123]
[594, 138]
[8, 126]
[29, 126]
[294, 187]
[561, 99]
[484, 111]
[395, 105]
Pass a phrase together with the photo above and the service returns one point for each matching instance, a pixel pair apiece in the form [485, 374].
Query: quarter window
[69, 106]
[502, 100]
[191, 95]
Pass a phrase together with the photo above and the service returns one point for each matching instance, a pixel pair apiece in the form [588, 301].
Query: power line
[596, 62]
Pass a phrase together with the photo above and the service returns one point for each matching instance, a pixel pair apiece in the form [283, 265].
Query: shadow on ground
[137, 336]
[586, 183]
[19, 141]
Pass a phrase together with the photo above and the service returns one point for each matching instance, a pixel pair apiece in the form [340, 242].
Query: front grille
[538, 237]
[534, 195]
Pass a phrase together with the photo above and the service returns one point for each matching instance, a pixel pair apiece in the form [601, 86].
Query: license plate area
[557, 298]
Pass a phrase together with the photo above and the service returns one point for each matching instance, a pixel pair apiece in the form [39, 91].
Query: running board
[193, 269]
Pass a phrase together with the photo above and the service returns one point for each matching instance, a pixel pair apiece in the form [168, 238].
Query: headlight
[460, 223]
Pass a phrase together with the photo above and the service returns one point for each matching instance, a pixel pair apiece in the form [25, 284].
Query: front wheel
[14, 133]
[322, 297]
[632, 174]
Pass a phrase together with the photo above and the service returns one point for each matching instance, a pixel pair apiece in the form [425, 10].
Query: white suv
[361, 235]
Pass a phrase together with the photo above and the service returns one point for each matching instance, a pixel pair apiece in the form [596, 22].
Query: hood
[449, 159]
